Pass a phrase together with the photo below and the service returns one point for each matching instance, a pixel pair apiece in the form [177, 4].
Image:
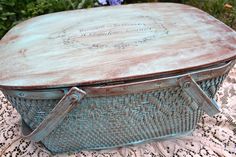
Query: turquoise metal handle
[70, 100]
[208, 105]
[55, 117]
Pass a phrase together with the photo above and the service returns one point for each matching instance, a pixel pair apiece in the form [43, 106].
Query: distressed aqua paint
[123, 42]
[114, 121]
[68, 120]
[115, 76]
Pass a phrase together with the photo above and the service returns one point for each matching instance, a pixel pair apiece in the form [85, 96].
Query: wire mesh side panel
[105, 122]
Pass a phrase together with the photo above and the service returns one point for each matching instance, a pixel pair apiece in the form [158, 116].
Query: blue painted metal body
[88, 80]
[81, 121]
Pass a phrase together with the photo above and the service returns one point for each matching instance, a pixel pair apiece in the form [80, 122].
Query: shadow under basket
[107, 116]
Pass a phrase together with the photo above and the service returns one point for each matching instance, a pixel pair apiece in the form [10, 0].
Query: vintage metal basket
[91, 81]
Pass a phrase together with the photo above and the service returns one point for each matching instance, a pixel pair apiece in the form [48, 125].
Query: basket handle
[208, 105]
[55, 117]
[74, 95]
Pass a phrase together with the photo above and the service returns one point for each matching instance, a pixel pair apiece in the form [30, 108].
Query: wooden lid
[85, 47]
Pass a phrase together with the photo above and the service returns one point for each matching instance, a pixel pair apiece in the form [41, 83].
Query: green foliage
[217, 8]
[15, 11]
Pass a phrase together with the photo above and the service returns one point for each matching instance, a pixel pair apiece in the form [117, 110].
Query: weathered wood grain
[112, 43]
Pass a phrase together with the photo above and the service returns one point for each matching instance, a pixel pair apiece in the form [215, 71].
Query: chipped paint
[112, 44]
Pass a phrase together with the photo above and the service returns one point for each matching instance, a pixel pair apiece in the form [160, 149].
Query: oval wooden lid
[85, 47]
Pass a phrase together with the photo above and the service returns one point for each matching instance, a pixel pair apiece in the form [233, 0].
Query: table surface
[105, 44]
[213, 137]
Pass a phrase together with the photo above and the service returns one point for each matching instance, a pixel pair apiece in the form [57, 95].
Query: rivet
[186, 84]
[21, 94]
[74, 97]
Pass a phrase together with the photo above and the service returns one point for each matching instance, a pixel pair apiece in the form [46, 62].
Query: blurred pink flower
[110, 2]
